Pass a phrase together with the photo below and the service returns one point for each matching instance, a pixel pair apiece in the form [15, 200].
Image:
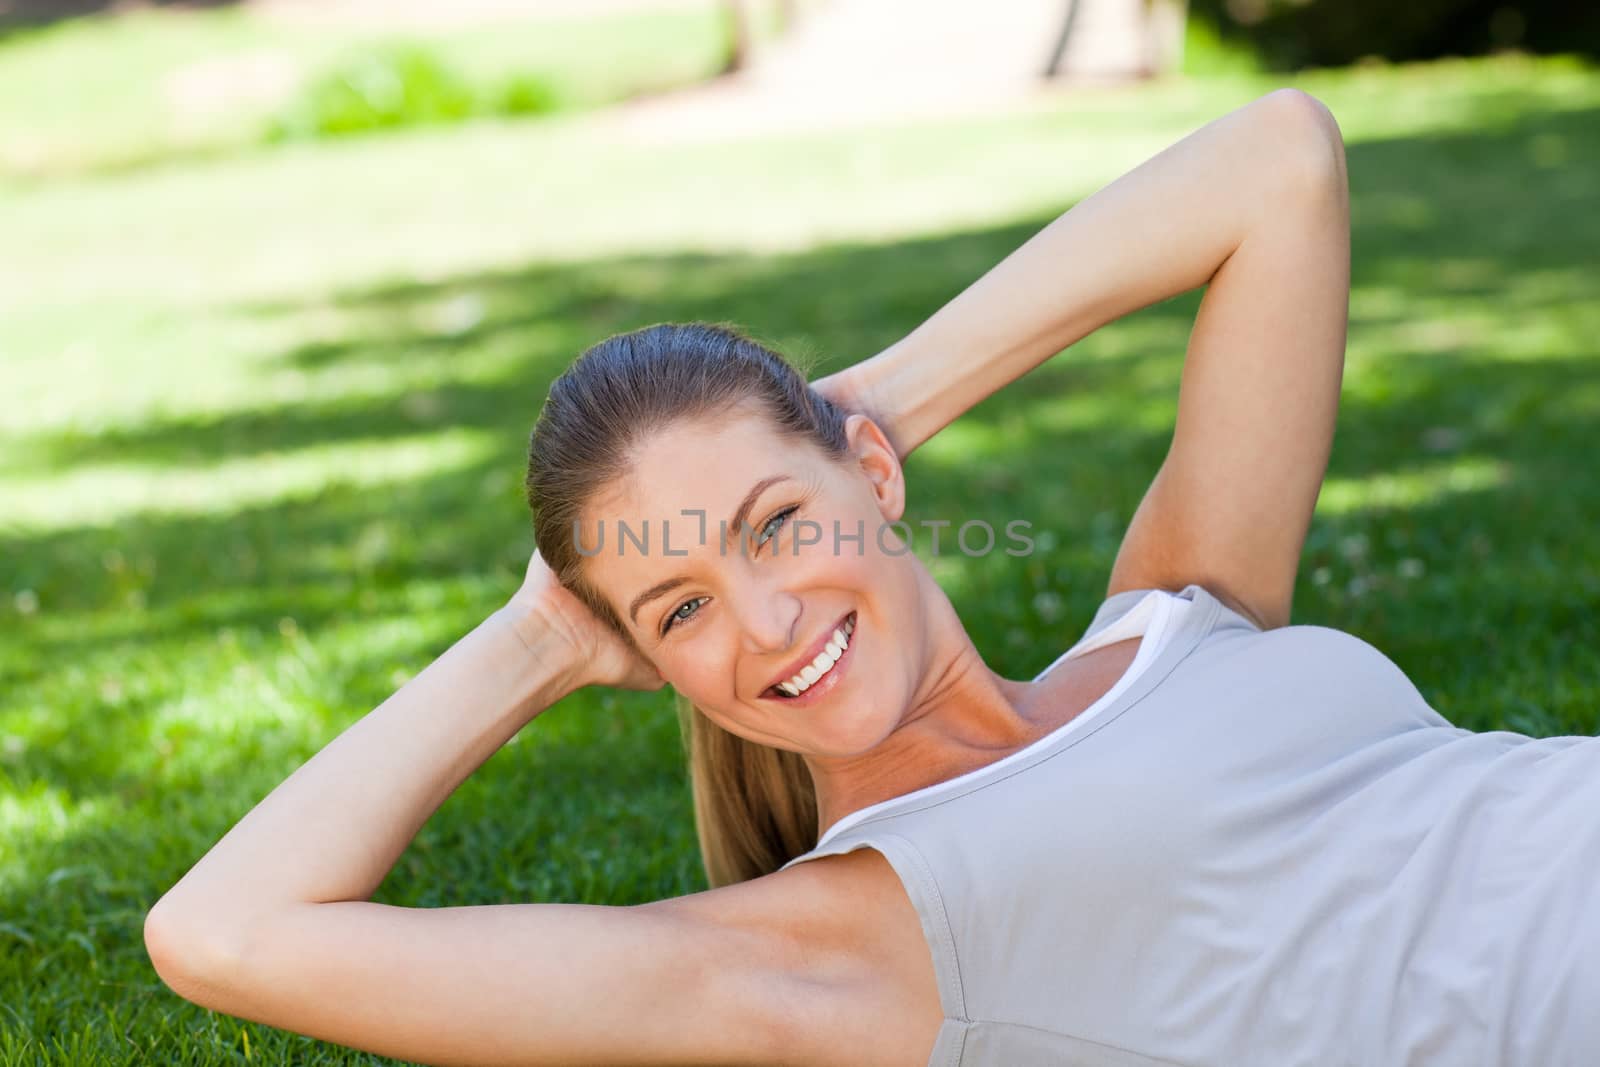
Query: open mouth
[825, 668]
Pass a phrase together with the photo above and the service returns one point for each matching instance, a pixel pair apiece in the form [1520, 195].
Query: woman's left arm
[1166, 227]
[1255, 205]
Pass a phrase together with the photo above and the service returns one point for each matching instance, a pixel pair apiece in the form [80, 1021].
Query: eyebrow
[740, 517]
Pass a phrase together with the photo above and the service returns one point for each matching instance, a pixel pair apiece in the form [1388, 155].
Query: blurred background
[282, 285]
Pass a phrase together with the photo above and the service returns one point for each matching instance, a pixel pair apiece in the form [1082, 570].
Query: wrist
[545, 642]
[898, 390]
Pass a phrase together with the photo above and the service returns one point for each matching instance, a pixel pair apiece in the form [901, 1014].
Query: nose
[767, 619]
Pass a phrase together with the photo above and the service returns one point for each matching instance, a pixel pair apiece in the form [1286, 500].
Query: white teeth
[822, 664]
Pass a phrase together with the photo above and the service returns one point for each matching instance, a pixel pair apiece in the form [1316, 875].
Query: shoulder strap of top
[1205, 616]
[1116, 606]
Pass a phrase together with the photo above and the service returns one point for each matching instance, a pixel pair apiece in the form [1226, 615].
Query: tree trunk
[739, 43]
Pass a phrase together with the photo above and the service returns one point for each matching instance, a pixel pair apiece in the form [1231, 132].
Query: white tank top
[1258, 848]
[1153, 616]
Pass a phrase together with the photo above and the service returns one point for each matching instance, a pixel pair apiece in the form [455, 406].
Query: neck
[962, 715]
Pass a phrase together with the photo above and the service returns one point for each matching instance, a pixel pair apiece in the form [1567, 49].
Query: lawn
[266, 412]
[147, 85]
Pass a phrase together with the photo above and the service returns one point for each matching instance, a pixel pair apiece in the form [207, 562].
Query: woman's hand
[852, 390]
[344, 818]
[598, 655]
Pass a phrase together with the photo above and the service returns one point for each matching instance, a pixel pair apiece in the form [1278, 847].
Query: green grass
[134, 89]
[265, 417]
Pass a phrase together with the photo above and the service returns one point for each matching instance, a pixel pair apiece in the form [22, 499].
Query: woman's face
[725, 622]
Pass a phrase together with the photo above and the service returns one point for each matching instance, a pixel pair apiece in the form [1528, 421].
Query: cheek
[869, 570]
[700, 669]
[839, 557]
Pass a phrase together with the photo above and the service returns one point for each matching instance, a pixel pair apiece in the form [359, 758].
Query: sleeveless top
[1259, 847]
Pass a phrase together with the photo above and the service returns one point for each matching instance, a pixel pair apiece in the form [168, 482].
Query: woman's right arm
[275, 923]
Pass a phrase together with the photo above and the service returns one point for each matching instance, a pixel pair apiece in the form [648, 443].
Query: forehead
[704, 464]
[704, 467]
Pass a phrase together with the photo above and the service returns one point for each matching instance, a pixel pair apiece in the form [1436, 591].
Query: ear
[876, 458]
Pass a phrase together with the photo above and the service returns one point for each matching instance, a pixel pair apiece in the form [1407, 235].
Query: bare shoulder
[818, 965]
[853, 975]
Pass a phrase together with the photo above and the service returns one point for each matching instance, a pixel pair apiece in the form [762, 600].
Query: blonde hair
[755, 806]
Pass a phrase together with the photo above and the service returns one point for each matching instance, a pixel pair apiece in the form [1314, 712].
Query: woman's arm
[1255, 205]
[335, 827]
[273, 924]
[1160, 230]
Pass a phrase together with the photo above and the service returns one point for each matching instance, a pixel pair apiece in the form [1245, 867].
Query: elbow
[189, 960]
[1308, 140]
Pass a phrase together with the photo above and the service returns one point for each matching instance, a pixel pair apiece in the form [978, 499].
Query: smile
[820, 673]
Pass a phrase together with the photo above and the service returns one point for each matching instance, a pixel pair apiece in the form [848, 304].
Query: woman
[1202, 836]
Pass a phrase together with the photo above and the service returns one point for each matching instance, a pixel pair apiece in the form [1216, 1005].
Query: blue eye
[769, 532]
[678, 616]
[775, 524]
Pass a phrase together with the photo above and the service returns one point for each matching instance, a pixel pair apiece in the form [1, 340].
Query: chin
[856, 733]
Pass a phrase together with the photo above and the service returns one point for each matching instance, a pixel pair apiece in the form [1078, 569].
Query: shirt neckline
[1154, 612]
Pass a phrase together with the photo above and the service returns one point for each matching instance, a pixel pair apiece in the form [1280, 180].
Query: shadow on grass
[1484, 591]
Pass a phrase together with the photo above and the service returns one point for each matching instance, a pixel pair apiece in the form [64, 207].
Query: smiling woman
[1203, 836]
[703, 421]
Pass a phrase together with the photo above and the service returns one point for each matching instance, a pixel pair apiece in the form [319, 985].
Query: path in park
[844, 62]
[851, 62]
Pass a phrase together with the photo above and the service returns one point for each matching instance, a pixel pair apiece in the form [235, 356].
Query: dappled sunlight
[38, 816]
[1425, 484]
[1451, 96]
[1408, 293]
[1137, 396]
[104, 493]
[270, 420]
[284, 670]
[963, 443]
[299, 213]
